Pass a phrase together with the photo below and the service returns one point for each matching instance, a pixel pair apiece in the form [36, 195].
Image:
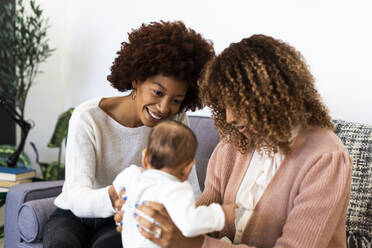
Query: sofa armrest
[20, 194]
[32, 217]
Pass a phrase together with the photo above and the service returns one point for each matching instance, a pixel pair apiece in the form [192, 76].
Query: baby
[167, 163]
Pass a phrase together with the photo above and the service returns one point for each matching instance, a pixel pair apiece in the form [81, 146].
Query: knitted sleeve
[321, 203]
[212, 191]
[79, 193]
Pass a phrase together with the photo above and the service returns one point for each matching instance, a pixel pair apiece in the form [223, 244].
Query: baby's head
[171, 147]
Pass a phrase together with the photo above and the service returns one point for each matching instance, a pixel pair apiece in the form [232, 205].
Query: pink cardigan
[303, 206]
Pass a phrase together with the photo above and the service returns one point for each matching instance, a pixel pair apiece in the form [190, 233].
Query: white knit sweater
[99, 148]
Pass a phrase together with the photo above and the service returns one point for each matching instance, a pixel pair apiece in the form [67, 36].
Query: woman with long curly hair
[160, 63]
[279, 172]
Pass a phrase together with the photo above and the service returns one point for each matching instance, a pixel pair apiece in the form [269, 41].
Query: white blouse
[259, 174]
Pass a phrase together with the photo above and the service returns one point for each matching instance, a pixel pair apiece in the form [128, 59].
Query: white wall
[333, 35]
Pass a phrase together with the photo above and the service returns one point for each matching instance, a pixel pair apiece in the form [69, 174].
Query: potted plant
[23, 46]
[55, 170]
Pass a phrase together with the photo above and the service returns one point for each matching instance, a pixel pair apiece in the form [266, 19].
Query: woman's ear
[145, 164]
[134, 84]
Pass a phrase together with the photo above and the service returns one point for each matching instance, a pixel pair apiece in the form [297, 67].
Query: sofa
[28, 206]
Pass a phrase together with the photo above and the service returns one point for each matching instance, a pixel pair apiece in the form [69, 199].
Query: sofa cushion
[358, 140]
[32, 217]
[30, 245]
[207, 136]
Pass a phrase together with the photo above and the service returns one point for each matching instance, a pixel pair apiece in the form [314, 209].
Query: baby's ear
[187, 169]
[144, 159]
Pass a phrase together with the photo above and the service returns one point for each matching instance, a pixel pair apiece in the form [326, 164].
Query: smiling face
[158, 98]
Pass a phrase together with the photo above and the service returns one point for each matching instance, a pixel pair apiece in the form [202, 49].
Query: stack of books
[13, 176]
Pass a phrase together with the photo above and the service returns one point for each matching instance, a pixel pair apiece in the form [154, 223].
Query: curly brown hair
[266, 82]
[167, 48]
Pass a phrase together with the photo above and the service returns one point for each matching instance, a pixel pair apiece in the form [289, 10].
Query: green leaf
[32, 3]
[60, 130]
[9, 9]
[22, 36]
[55, 171]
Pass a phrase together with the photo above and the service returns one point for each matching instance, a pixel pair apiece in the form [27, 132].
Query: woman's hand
[113, 195]
[170, 235]
[119, 202]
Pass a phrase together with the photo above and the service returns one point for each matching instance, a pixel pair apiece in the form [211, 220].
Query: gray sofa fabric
[30, 245]
[207, 136]
[356, 137]
[32, 216]
[18, 195]
[358, 140]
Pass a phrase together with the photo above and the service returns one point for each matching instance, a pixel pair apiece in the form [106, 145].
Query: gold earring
[134, 93]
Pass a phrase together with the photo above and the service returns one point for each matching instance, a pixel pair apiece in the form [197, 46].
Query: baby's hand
[119, 214]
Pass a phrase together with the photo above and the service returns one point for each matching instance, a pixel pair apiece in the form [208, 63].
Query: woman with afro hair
[160, 65]
[279, 171]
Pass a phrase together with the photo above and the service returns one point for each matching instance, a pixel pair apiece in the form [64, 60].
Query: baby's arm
[191, 220]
